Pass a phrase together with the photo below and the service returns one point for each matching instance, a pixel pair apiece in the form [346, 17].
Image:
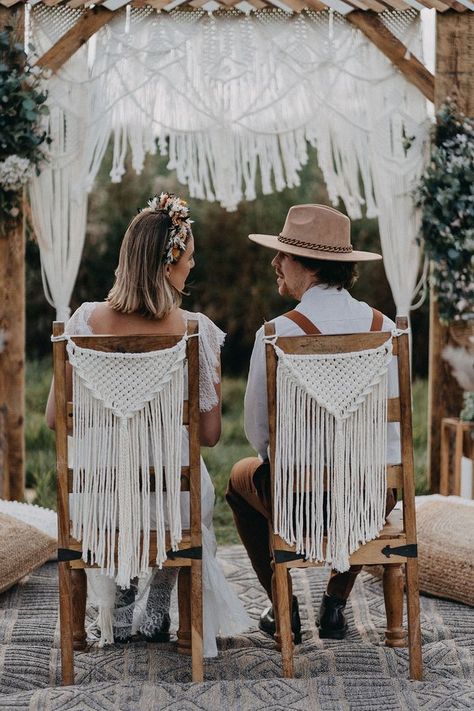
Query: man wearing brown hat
[314, 264]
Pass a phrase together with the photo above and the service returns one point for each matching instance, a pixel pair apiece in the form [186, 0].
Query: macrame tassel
[341, 440]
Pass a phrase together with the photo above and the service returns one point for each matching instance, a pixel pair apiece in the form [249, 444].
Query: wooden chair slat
[334, 344]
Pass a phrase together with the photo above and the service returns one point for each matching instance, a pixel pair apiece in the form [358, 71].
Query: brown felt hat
[318, 232]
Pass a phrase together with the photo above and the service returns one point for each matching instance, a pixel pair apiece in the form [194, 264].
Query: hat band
[316, 247]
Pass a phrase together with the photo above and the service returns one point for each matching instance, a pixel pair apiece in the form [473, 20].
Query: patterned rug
[358, 673]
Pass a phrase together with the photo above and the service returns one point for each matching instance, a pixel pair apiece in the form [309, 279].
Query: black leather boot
[332, 621]
[267, 622]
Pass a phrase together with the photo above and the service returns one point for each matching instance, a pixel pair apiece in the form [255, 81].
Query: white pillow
[43, 519]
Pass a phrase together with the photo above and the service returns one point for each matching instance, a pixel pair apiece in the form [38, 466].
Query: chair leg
[393, 584]
[79, 597]
[196, 621]
[282, 606]
[66, 623]
[184, 608]
[414, 630]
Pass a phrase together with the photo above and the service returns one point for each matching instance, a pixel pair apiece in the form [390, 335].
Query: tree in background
[233, 282]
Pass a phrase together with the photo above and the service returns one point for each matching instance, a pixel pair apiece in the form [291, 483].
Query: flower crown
[178, 211]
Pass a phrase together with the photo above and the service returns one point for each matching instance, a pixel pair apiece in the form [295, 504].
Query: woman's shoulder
[79, 321]
[208, 330]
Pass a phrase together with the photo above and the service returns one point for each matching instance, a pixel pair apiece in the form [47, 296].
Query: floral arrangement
[446, 198]
[21, 138]
[178, 211]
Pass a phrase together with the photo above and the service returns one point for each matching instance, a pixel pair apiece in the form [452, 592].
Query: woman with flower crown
[156, 257]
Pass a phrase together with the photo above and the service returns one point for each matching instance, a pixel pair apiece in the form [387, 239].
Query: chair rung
[178, 561]
[185, 485]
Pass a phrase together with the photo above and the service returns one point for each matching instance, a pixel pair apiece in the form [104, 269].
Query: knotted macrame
[331, 418]
[128, 413]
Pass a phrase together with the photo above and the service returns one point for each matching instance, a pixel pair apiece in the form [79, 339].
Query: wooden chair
[396, 544]
[72, 577]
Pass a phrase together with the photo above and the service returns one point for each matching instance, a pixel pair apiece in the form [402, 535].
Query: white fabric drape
[234, 99]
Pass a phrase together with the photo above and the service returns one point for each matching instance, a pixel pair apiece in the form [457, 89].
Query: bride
[156, 257]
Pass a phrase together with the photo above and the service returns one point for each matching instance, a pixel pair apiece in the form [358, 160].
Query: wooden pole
[12, 322]
[454, 77]
[413, 70]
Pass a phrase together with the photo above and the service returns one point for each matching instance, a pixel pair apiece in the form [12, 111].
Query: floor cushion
[22, 549]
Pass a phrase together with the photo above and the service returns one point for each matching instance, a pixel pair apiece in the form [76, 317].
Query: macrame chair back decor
[128, 414]
[331, 433]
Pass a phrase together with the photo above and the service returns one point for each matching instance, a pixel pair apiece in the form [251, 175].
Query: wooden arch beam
[90, 22]
[412, 69]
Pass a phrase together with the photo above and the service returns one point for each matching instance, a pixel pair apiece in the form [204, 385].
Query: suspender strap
[303, 322]
[311, 330]
[377, 320]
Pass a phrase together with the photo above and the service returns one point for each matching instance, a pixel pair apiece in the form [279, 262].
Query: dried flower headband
[178, 211]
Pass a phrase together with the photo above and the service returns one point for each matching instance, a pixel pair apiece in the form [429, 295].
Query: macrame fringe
[111, 473]
[345, 451]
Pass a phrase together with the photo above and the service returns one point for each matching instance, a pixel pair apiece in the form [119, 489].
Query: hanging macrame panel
[128, 414]
[234, 100]
[331, 433]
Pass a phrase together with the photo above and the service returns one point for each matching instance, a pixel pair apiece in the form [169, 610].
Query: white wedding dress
[223, 612]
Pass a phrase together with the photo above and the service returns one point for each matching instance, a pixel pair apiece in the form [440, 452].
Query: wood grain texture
[87, 25]
[412, 69]
[12, 322]
[393, 584]
[64, 570]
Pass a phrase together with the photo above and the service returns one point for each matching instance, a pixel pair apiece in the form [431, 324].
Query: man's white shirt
[332, 311]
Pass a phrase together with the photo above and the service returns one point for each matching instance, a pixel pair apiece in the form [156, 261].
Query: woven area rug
[357, 673]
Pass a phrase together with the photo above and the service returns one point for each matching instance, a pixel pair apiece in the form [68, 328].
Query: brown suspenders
[311, 330]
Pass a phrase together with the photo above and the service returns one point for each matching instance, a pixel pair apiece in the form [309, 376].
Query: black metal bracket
[65, 554]
[194, 553]
[408, 551]
[280, 556]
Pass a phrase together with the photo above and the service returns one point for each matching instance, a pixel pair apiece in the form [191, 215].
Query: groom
[315, 265]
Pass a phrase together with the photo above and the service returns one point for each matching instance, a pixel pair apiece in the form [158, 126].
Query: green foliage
[40, 456]
[446, 196]
[467, 412]
[22, 107]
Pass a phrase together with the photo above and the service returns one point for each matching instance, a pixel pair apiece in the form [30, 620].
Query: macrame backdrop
[331, 416]
[232, 99]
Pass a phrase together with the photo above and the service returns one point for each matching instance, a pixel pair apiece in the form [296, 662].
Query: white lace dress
[222, 610]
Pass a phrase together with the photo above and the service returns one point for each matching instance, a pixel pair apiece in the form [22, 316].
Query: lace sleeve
[211, 339]
[78, 324]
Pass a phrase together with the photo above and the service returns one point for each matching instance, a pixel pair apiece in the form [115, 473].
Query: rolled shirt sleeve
[255, 402]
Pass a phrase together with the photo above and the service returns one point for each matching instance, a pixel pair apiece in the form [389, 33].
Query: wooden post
[12, 322]
[454, 77]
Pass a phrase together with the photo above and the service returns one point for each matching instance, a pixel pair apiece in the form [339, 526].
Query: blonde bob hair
[141, 284]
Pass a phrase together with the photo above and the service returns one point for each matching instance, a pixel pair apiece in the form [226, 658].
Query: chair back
[328, 414]
[127, 413]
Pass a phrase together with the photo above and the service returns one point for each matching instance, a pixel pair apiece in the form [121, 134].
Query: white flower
[15, 172]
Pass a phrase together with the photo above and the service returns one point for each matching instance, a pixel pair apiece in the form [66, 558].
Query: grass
[40, 457]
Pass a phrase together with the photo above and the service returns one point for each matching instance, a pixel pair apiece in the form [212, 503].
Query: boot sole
[333, 634]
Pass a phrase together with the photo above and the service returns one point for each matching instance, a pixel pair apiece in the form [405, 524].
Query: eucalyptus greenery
[446, 197]
[22, 140]
[467, 413]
